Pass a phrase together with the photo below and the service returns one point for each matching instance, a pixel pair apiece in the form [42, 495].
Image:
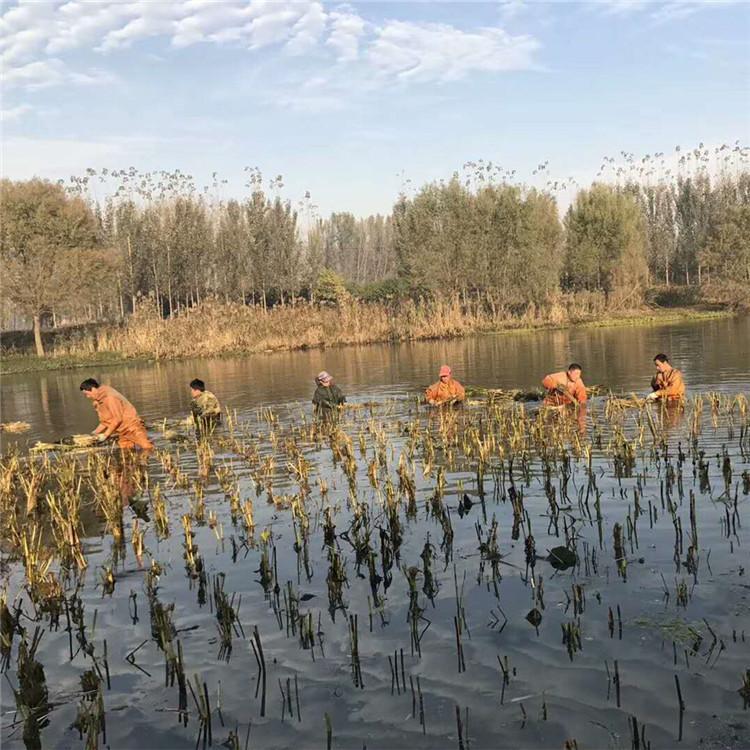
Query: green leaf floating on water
[562, 558]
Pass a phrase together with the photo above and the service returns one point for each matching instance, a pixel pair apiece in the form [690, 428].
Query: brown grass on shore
[217, 328]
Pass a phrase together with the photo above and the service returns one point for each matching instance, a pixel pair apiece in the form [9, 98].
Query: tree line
[156, 237]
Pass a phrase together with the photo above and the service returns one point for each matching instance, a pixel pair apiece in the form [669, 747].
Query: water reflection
[672, 415]
[713, 355]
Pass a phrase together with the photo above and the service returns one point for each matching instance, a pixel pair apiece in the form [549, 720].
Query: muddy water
[551, 694]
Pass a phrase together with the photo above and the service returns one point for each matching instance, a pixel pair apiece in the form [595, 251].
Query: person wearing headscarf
[328, 396]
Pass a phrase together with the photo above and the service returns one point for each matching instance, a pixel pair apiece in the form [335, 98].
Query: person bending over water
[117, 416]
[328, 396]
[566, 387]
[668, 383]
[205, 408]
[446, 391]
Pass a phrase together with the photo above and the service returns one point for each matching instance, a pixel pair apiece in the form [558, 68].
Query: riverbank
[213, 329]
[15, 364]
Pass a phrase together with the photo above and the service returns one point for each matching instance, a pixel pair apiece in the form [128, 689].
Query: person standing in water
[117, 416]
[205, 408]
[446, 391]
[328, 396]
[565, 387]
[668, 383]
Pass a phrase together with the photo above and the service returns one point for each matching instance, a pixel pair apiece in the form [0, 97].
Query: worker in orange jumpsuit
[117, 416]
[668, 383]
[565, 387]
[446, 390]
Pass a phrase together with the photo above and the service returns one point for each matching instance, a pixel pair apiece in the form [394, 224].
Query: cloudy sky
[350, 100]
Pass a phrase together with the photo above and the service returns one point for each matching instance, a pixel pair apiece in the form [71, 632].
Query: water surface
[551, 695]
[713, 355]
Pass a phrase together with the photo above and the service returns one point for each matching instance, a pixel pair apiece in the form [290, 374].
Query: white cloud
[314, 94]
[31, 30]
[622, 7]
[24, 28]
[42, 74]
[430, 52]
[78, 24]
[59, 158]
[307, 31]
[512, 8]
[667, 10]
[36, 37]
[15, 113]
[149, 19]
[347, 28]
[673, 11]
[55, 158]
[207, 20]
[33, 75]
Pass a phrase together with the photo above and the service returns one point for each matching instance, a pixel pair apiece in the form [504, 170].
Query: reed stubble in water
[423, 519]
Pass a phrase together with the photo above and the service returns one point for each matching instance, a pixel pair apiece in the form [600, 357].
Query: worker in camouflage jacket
[205, 408]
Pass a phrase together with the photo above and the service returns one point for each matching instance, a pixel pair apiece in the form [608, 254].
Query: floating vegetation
[69, 443]
[674, 629]
[393, 549]
[15, 427]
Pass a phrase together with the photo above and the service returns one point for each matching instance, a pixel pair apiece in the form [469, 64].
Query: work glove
[652, 396]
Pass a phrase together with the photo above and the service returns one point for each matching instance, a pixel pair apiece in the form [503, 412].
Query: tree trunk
[132, 275]
[169, 279]
[156, 288]
[38, 335]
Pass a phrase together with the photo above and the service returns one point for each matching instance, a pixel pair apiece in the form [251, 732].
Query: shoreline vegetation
[159, 270]
[214, 329]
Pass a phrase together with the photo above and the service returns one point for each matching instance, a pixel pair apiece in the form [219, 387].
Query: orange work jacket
[670, 386]
[441, 392]
[575, 392]
[119, 416]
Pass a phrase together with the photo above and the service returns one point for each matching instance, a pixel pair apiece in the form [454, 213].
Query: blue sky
[348, 101]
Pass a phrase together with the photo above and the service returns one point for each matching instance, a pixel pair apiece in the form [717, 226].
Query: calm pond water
[655, 606]
[713, 355]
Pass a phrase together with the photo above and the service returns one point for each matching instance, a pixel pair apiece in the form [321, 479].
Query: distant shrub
[388, 290]
[331, 287]
[673, 296]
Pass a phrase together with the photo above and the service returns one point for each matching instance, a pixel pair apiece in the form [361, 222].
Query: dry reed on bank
[214, 328]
